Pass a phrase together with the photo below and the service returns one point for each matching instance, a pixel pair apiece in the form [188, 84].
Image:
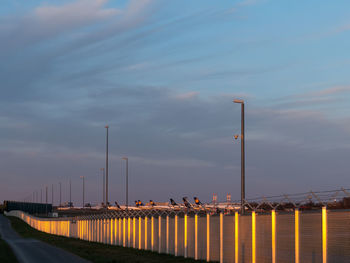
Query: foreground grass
[95, 252]
[6, 254]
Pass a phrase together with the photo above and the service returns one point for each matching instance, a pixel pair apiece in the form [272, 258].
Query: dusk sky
[162, 75]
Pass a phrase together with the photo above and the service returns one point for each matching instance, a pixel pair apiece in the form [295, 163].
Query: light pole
[107, 165]
[60, 194]
[70, 193]
[52, 195]
[83, 177]
[103, 186]
[127, 182]
[242, 156]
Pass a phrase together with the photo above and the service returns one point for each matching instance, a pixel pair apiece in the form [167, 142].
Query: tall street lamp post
[83, 177]
[242, 156]
[127, 182]
[107, 166]
[103, 186]
[60, 194]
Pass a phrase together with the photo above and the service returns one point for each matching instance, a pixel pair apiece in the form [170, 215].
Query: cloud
[187, 95]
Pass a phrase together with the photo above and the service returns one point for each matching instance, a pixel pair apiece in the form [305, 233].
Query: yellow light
[185, 235]
[159, 234]
[128, 231]
[167, 234]
[273, 227]
[324, 235]
[208, 237]
[146, 232]
[152, 232]
[134, 232]
[140, 232]
[196, 237]
[221, 237]
[253, 236]
[296, 236]
[236, 237]
[124, 232]
[176, 235]
[120, 231]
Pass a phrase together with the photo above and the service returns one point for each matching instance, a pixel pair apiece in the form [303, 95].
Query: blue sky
[163, 75]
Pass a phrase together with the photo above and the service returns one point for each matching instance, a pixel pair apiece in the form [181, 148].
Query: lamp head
[238, 101]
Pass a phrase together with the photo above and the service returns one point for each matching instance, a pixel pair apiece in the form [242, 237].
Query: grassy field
[6, 255]
[95, 252]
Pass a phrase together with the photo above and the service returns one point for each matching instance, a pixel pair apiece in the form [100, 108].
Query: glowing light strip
[146, 232]
[324, 235]
[129, 228]
[134, 232]
[152, 233]
[140, 232]
[185, 236]
[196, 237]
[236, 237]
[253, 237]
[176, 235]
[167, 234]
[120, 231]
[221, 237]
[208, 237]
[159, 234]
[296, 236]
[273, 230]
[124, 232]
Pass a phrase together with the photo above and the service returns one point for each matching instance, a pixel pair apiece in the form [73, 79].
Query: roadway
[33, 251]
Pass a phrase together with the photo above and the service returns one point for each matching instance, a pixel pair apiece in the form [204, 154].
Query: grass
[95, 252]
[6, 254]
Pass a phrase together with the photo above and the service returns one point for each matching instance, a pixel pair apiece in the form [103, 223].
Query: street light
[242, 155]
[107, 166]
[83, 177]
[127, 183]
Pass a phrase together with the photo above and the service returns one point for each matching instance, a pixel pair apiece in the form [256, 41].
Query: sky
[162, 75]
